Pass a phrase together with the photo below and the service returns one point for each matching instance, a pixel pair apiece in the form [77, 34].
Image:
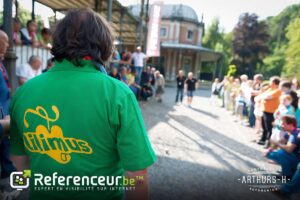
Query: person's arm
[146, 58]
[5, 125]
[21, 80]
[163, 82]
[289, 147]
[21, 162]
[185, 86]
[141, 185]
[21, 73]
[133, 145]
[257, 98]
[270, 96]
[197, 84]
[255, 92]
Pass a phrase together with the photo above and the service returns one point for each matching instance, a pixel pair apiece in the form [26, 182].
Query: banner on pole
[153, 37]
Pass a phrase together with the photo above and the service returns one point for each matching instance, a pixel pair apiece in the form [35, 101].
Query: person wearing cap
[77, 121]
[138, 59]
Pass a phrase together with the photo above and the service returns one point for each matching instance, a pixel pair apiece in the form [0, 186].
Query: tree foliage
[213, 35]
[274, 63]
[24, 15]
[215, 38]
[250, 38]
[292, 53]
[277, 25]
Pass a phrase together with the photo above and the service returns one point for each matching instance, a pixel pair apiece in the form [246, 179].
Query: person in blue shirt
[288, 155]
[297, 115]
[6, 165]
[293, 146]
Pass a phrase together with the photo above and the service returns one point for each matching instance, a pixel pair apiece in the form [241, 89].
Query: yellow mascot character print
[50, 140]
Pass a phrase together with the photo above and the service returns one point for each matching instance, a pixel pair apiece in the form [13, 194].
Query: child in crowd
[239, 105]
[234, 93]
[45, 38]
[257, 110]
[287, 154]
[28, 34]
[215, 92]
[16, 31]
[227, 92]
[131, 82]
[285, 108]
[146, 92]
[114, 73]
[123, 75]
[159, 86]
[297, 114]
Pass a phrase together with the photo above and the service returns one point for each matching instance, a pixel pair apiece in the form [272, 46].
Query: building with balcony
[181, 42]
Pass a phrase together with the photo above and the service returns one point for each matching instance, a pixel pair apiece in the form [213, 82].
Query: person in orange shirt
[269, 103]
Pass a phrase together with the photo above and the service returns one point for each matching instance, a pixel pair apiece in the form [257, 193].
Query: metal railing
[24, 52]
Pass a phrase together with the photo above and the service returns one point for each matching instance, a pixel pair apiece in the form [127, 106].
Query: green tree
[277, 25]
[213, 35]
[273, 64]
[215, 38]
[292, 66]
[250, 38]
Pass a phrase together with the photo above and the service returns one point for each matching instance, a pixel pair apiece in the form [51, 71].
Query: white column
[177, 32]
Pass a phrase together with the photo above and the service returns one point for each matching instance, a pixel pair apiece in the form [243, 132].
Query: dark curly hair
[82, 33]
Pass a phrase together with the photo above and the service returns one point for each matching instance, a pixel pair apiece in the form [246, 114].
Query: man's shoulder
[33, 82]
[114, 84]
[96, 79]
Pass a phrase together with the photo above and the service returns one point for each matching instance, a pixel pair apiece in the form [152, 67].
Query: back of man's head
[82, 32]
[275, 80]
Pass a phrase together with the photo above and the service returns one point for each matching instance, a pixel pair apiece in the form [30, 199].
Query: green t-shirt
[77, 121]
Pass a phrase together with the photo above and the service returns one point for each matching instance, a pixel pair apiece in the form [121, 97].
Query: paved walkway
[201, 152]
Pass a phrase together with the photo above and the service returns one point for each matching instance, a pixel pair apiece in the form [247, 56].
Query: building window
[163, 32]
[190, 34]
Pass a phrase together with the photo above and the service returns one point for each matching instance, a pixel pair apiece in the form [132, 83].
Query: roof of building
[171, 11]
[208, 54]
[123, 22]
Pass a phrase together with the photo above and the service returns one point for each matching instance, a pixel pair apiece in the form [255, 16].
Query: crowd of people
[30, 35]
[271, 108]
[145, 82]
